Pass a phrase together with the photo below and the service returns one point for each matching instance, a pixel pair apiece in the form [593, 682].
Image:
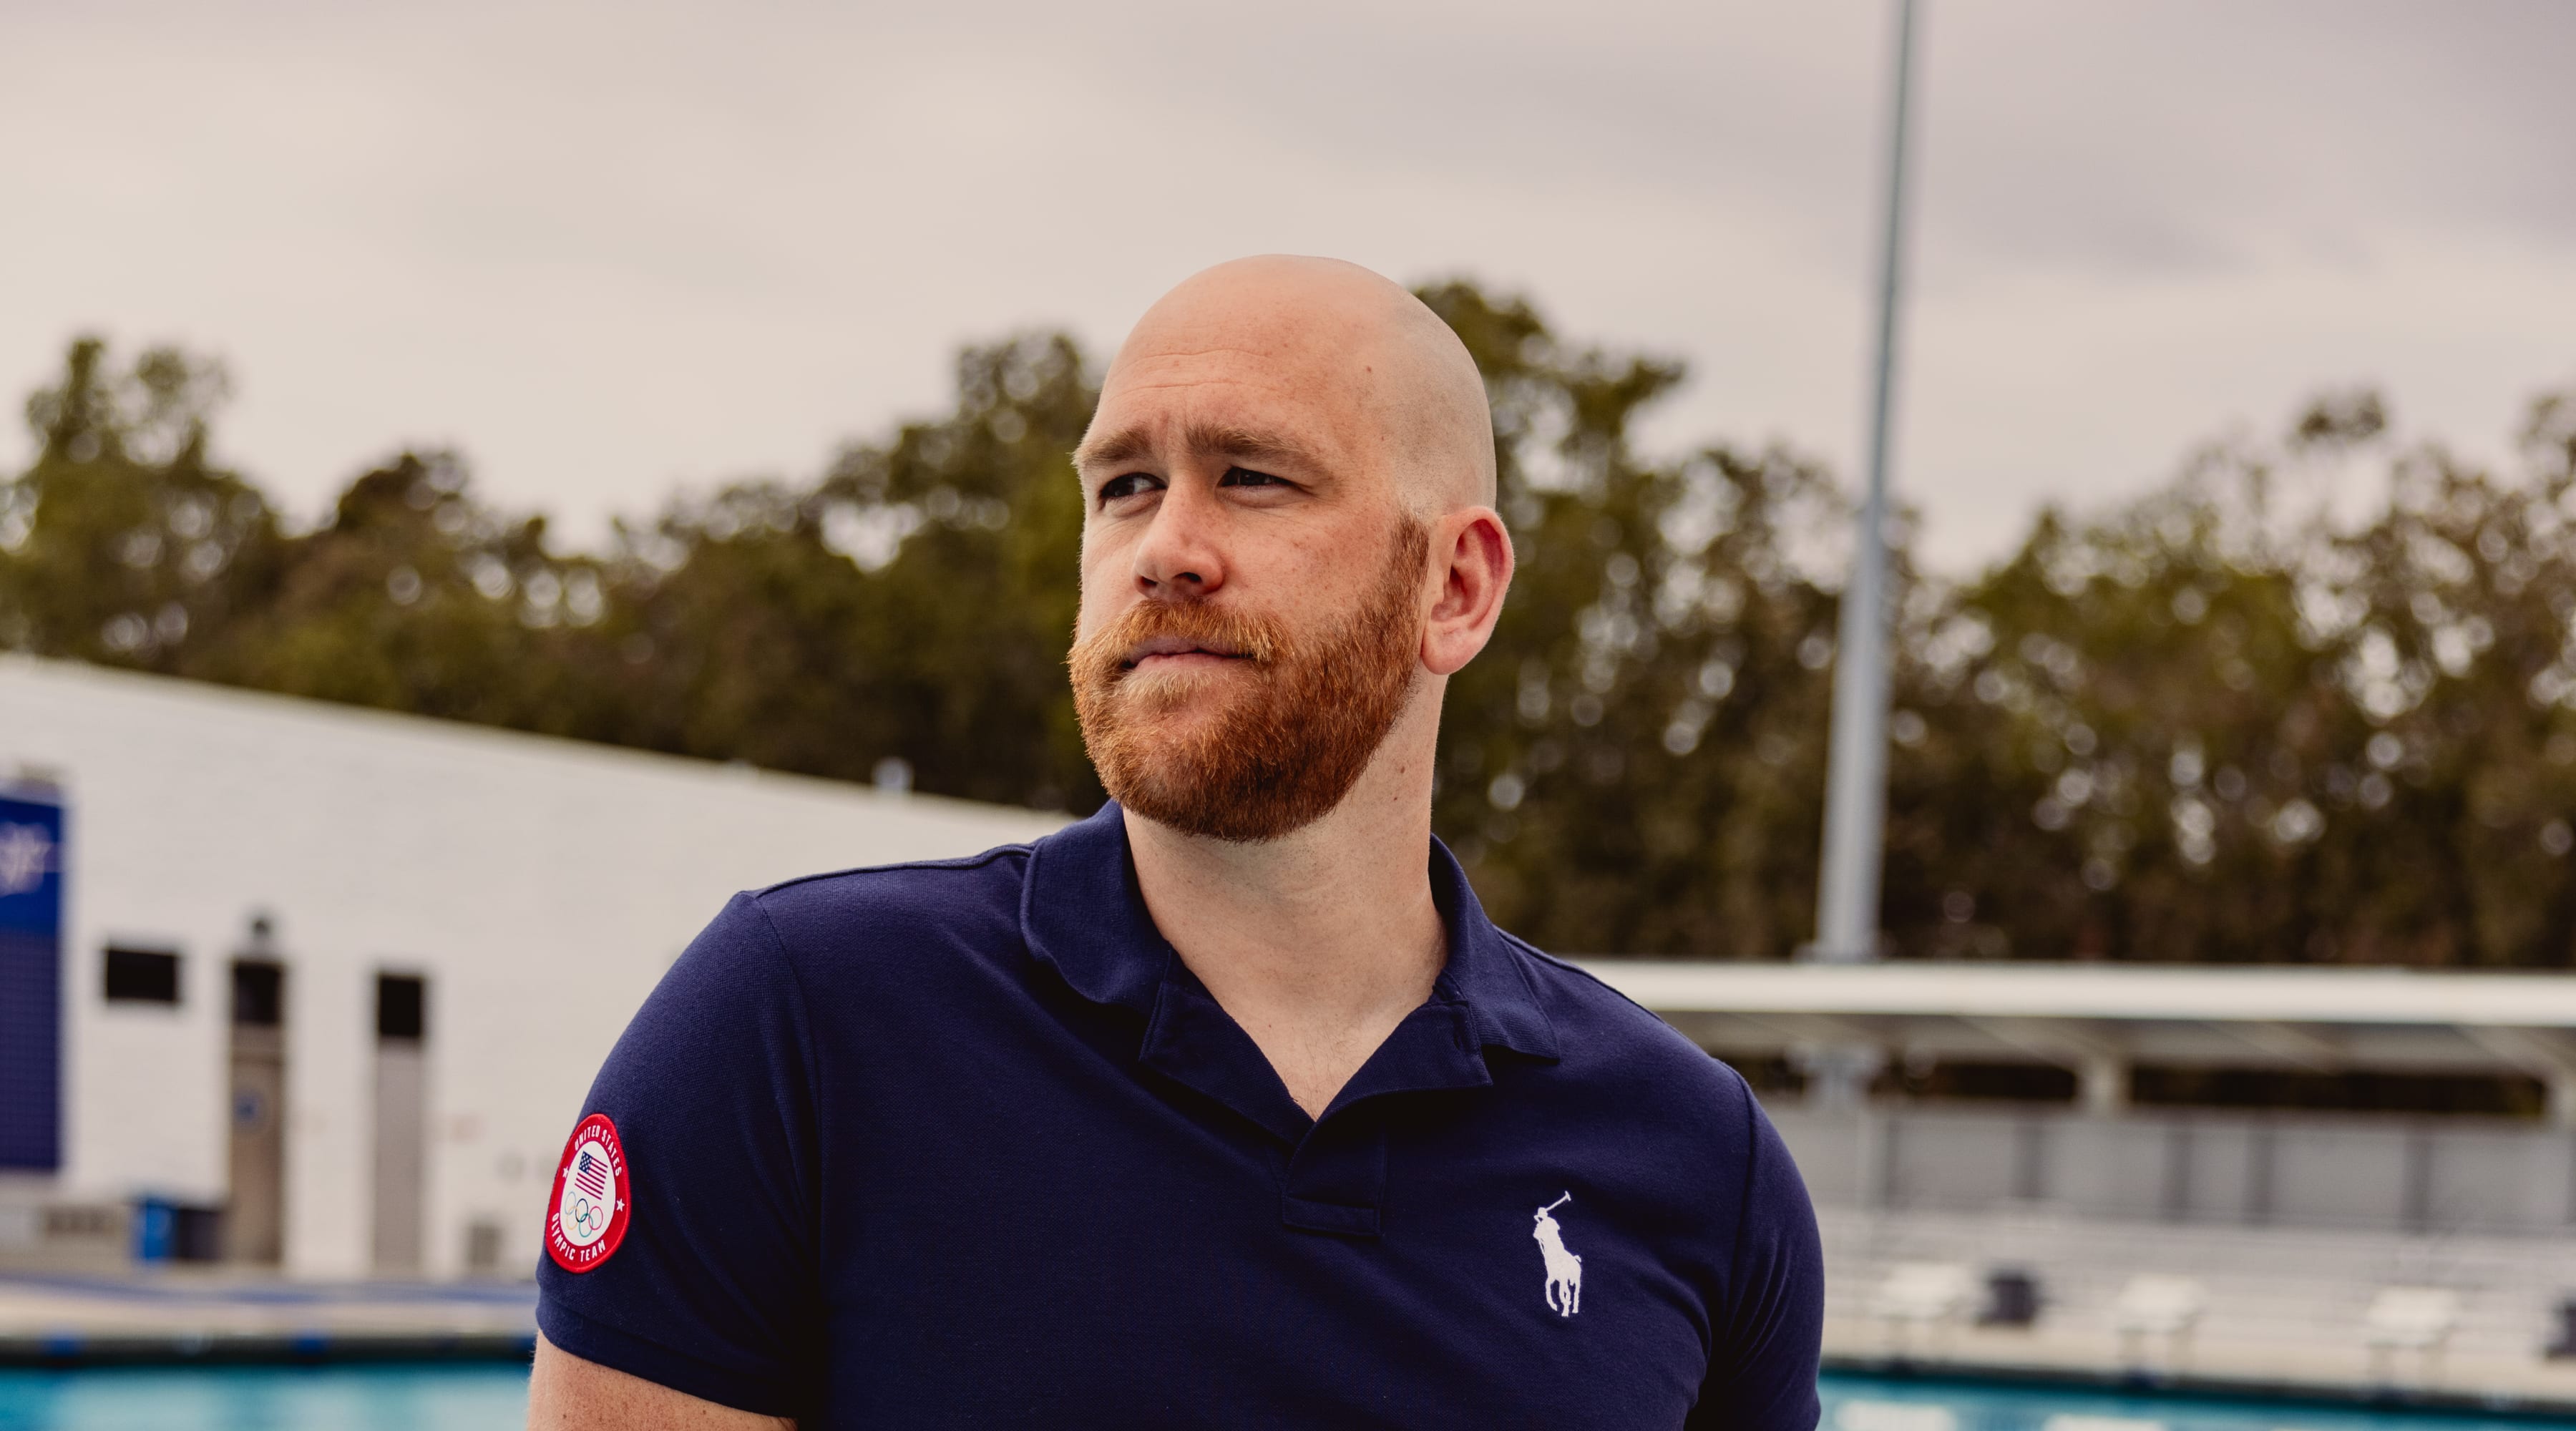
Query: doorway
[402, 1144]
[255, 1211]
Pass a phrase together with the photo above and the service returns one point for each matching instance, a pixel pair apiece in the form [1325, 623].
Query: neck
[1320, 942]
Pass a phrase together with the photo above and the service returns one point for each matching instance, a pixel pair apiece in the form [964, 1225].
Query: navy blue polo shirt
[966, 1144]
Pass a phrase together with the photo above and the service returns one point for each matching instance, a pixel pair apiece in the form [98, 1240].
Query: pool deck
[198, 1316]
[183, 1316]
[2311, 1368]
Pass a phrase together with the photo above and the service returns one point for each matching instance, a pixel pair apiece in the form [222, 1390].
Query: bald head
[1288, 545]
[1386, 381]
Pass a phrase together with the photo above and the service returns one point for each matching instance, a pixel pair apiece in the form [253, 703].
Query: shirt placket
[1335, 1176]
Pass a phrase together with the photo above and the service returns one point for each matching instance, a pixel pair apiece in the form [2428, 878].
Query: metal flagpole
[1856, 777]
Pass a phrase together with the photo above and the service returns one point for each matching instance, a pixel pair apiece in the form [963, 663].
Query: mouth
[1163, 653]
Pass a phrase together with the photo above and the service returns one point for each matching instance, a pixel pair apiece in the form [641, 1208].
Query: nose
[1180, 557]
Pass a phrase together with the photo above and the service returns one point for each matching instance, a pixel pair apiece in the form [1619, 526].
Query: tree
[2207, 725]
[416, 597]
[915, 604]
[1632, 764]
[2212, 723]
[121, 542]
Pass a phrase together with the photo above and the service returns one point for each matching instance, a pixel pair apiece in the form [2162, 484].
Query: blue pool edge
[2203, 1387]
[71, 1352]
[68, 1351]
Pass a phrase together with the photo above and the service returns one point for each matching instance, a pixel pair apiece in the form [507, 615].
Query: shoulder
[861, 942]
[1615, 1026]
[1615, 1046]
[924, 898]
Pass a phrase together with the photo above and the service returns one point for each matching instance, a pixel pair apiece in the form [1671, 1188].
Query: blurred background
[496, 480]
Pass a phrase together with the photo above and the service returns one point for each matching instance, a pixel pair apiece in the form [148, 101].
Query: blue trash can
[156, 1226]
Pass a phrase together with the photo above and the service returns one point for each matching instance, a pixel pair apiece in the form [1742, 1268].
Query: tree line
[2218, 722]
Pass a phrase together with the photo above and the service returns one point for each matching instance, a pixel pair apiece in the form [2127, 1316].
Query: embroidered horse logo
[1564, 1269]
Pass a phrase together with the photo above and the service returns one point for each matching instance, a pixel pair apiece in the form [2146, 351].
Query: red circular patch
[586, 1218]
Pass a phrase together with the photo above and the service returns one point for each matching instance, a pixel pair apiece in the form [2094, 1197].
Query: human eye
[1127, 484]
[1246, 477]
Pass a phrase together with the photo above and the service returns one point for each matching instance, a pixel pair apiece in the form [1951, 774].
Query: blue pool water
[469, 1396]
[493, 1397]
[1854, 1403]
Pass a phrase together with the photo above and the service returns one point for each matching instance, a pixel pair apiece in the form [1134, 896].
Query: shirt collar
[1082, 914]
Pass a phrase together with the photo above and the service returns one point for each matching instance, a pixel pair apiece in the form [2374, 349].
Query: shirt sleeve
[715, 1289]
[1768, 1335]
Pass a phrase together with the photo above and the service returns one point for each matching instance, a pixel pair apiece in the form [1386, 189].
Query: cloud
[609, 249]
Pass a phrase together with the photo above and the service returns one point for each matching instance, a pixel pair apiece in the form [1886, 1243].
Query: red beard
[1302, 714]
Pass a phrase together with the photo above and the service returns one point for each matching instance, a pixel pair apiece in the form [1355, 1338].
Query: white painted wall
[542, 886]
[2452, 1175]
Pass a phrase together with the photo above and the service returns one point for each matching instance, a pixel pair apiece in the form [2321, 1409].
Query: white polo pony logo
[1564, 1269]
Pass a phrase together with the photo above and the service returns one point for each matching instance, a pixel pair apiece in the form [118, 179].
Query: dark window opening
[2350, 1091]
[2157, 1087]
[258, 994]
[1990, 1082]
[401, 1011]
[142, 976]
[1776, 1077]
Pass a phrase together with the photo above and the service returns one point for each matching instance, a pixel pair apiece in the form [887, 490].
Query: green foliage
[122, 544]
[415, 597]
[915, 604]
[2207, 724]
[1633, 764]
[2207, 727]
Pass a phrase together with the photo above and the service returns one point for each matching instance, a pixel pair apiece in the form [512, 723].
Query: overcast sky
[606, 250]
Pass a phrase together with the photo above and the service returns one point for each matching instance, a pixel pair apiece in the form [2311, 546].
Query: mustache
[1110, 653]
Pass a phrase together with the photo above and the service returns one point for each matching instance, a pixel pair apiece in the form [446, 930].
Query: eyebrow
[1199, 439]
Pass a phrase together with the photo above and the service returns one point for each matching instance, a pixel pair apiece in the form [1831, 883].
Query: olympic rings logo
[586, 1216]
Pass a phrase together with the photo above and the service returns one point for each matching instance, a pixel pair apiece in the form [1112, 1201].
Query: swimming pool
[1855, 1403]
[468, 1396]
[493, 1397]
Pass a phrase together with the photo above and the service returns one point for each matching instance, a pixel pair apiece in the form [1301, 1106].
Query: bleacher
[2284, 1303]
[2350, 1253]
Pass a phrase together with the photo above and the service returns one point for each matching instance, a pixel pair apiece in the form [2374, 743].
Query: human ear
[1472, 558]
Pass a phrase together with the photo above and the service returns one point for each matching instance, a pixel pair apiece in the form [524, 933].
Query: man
[1226, 1106]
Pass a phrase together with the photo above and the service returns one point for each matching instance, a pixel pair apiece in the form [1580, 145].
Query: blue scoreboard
[31, 979]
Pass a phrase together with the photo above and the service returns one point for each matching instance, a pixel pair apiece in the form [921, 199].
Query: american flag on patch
[591, 1174]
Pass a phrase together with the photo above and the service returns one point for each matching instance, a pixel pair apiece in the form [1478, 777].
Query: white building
[363, 965]
[2104, 1156]
[458, 921]
[2298, 1246]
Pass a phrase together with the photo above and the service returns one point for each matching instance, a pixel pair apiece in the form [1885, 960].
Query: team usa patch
[587, 1217]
